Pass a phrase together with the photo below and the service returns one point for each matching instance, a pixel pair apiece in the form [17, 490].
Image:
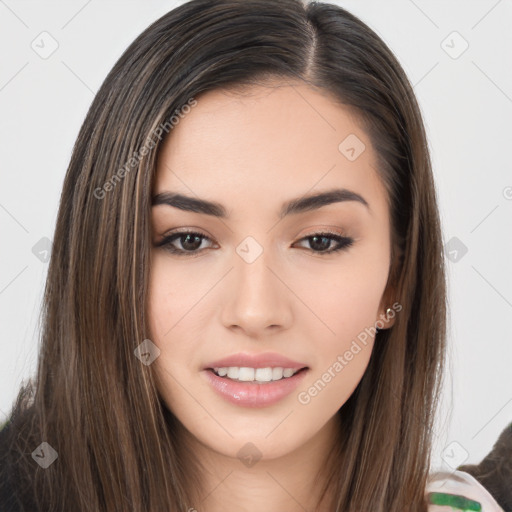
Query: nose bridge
[257, 297]
[251, 269]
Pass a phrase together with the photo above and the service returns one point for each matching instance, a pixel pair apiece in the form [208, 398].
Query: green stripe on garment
[455, 501]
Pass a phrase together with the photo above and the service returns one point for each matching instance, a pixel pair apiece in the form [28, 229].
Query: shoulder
[458, 491]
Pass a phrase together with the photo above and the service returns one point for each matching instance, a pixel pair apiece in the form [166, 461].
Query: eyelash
[343, 242]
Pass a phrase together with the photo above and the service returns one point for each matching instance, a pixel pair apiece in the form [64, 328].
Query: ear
[388, 309]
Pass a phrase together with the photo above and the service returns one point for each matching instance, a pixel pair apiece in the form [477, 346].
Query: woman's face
[257, 281]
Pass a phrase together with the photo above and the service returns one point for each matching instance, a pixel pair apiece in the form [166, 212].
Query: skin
[252, 153]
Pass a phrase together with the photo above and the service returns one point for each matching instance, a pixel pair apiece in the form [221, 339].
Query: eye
[191, 241]
[321, 242]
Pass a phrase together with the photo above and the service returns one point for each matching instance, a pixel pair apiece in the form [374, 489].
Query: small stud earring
[388, 312]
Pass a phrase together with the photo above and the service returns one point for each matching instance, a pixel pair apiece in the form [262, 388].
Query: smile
[244, 389]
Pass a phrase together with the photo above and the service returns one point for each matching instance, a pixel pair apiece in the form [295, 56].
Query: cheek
[346, 299]
[174, 298]
[168, 304]
[349, 307]
[160, 299]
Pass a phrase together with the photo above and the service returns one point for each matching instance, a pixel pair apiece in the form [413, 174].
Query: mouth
[254, 387]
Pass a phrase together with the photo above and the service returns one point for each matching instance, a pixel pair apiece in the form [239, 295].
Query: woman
[245, 306]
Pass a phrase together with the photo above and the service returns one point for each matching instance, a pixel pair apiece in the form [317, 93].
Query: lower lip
[254, 394]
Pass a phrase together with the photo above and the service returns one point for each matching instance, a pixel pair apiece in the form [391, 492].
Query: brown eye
[189, 242]
[322, 242]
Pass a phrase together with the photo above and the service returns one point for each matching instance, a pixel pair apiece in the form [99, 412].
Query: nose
[256, 298]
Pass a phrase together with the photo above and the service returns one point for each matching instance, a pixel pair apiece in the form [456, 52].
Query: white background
[467, 106]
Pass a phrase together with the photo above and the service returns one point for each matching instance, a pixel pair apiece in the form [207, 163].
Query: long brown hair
[92, 400]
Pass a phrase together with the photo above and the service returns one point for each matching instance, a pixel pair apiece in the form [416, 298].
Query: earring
[387, 314]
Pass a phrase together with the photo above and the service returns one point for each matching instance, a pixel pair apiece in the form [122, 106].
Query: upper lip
[263, 360]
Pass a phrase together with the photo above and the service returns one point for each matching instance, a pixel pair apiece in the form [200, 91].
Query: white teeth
[277, 373]
[233, 372]
[246, 374]
[263, 374]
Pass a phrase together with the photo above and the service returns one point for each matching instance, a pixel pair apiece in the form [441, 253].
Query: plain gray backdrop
[54, 57]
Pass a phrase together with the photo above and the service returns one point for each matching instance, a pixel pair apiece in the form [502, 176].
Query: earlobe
[390, 317]
[386, 319]
[387, 312]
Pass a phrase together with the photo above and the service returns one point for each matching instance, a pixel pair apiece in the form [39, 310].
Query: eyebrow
[294, 206]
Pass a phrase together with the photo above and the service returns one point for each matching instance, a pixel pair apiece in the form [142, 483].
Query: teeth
[245, 374]
[277, 373]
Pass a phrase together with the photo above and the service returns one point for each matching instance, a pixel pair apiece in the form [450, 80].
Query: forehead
[283, 139]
